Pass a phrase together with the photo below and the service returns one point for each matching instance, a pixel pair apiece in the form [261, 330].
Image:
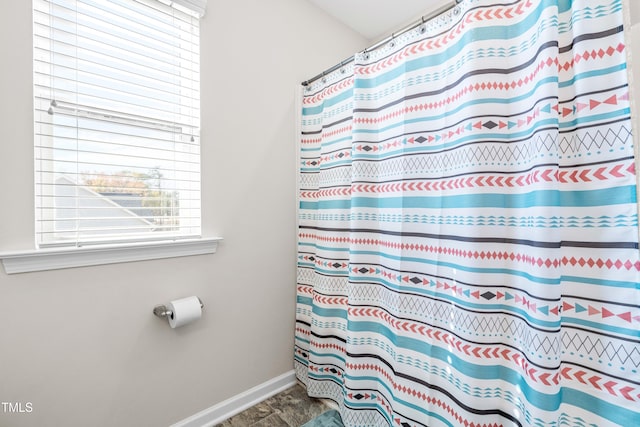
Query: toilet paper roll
[184, 311]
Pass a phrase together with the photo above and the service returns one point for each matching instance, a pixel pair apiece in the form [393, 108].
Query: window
[117, 99]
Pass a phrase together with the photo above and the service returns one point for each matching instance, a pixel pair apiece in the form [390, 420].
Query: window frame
[44, 259]
[61, 258]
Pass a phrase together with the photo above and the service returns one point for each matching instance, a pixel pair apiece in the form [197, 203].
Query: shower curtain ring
[423, 26]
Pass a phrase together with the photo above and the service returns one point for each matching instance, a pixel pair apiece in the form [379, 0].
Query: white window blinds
[117, 98]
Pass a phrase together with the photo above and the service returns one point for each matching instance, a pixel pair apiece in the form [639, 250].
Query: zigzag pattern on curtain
[468, 224]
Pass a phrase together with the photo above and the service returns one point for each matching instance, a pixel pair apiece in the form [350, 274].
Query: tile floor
[290, 408]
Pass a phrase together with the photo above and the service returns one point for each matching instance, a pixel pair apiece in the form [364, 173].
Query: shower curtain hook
[423, 26]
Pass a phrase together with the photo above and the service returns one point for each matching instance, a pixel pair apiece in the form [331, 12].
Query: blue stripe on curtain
[613, 196]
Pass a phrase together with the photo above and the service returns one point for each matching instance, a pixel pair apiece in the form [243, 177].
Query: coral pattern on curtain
[468, 226]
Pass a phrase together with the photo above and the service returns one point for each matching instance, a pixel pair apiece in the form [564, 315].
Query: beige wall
[635, 11]
[82, 344]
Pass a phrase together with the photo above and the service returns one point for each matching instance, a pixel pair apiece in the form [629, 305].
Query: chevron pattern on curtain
[468, 224]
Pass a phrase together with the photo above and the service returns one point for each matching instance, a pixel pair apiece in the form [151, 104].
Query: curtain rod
[440, 10]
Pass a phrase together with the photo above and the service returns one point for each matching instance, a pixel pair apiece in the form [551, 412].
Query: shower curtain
[468, 224]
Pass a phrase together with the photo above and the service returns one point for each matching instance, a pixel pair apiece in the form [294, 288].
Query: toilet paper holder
[163, 311]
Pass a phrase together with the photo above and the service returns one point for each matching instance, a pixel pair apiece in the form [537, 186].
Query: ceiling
[377, 19]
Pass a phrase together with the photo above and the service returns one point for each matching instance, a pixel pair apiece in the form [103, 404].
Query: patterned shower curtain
[468, 225]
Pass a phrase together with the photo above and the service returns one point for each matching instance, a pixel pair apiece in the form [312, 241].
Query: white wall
[82, 344]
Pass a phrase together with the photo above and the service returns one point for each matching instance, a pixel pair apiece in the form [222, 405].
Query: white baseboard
[238, 403]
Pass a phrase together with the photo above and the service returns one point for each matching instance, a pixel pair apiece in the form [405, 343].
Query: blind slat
[117, 118]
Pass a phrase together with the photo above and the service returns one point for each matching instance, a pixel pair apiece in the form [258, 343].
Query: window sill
[54, 259]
